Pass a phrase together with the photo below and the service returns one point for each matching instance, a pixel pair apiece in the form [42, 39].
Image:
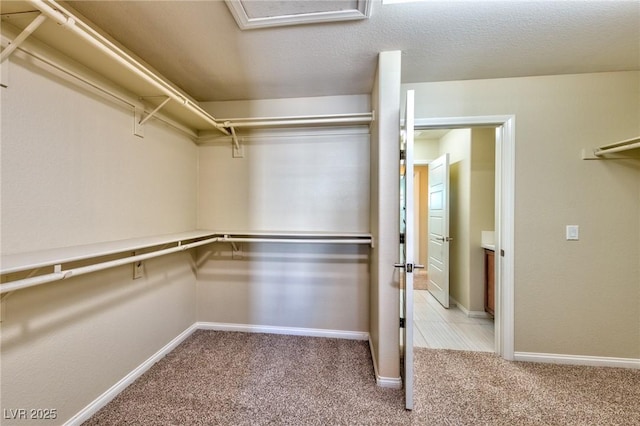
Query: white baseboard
[478, 314]
[468, 313]
[88, 411]
[383, 382]
[595, 361]
[292, 331]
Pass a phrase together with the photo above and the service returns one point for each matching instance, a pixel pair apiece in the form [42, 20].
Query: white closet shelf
[44, 258]
[65, 31]
[612, 148]
[295, 237]
[34, 261]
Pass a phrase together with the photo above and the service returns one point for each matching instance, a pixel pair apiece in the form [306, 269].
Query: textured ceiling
[198, 45]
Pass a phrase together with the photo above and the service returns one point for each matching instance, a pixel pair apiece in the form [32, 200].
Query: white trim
[468, 313]
[291, 331]
[236, 7]
[505, 200]
[93, 407]
[595, 361]
[389, 382]
[478, 314]
[383, 382]
[462, 122]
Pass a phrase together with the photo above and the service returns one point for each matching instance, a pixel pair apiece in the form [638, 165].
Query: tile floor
[440, 328]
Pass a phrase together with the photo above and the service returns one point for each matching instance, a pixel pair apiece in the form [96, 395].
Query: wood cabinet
[489, 281]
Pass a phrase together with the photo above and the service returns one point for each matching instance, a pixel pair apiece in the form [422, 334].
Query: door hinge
[401, 238]
[401, 322]
[403, 154]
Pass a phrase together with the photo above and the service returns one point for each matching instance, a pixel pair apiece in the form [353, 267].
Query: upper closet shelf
[64, 31]
[601, 152]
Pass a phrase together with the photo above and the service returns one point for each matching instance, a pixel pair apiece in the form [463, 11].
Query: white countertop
[488, 240]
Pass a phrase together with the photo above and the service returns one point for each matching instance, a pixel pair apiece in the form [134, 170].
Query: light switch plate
[573, 232]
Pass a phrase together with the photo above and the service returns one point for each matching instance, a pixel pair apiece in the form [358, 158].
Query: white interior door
[439, 238]
[407, 255]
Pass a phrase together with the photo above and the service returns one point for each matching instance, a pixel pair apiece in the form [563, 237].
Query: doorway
[504, 217]
[463, 320]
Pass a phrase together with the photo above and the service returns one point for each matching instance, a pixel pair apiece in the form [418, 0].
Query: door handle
[444, 239]
[409, 266]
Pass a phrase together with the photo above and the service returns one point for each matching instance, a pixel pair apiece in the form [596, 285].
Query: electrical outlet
[138, 270]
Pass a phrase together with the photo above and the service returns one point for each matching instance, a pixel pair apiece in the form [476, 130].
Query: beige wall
[73, 173]
[313, 286]
[288, 180]
[426, 149]
[385, 196]
[482, 209]
[571, 297]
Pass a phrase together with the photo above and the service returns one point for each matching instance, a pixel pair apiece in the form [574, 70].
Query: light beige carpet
[224, 378]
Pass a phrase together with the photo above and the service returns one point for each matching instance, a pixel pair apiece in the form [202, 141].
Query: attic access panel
[251, 14]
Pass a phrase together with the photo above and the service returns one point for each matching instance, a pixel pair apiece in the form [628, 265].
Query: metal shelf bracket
[238, 150]
[22, 36]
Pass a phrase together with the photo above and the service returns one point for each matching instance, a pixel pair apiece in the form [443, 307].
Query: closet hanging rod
[612, 148]
[618, 148]
[25, 261]
[296, 240]
[620, 143]
[114, 52]
[59, 275]
[335, 119]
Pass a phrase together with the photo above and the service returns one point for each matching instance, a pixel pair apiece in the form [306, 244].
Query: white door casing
[505, 218]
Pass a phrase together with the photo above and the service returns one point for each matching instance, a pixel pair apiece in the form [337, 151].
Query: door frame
[505, 217]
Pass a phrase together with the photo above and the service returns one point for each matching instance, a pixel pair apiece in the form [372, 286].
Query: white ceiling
[198, 45]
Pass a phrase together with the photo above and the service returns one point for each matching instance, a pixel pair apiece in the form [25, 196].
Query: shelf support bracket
[238, 151]
[22, 36]
[152, 113]
[139, 119]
